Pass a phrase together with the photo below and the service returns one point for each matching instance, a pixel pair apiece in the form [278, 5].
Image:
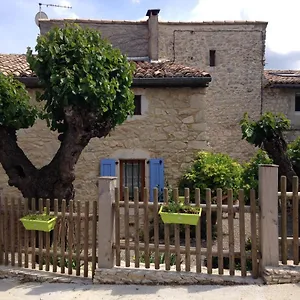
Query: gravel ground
[214, 248]
[13, 290]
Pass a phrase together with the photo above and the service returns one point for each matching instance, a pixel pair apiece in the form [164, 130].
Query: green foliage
[79, 69]
[250, 172]
[213, 171]
[294, 153]
[266, 128]
[16, 111]
[162, 257]
[179, 207]
[40, 217]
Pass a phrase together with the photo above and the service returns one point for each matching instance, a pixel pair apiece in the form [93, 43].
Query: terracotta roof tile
[282, 77]
[17, 65]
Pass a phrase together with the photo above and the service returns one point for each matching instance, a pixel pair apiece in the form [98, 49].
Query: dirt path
[13, 290]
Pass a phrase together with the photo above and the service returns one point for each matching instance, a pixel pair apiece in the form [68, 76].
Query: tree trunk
[53, 181]
[277, 150]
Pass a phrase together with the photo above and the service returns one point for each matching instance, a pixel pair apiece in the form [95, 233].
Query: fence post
[106, 221]
[268, 199]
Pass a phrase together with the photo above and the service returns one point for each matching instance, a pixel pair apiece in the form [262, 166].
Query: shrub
[294, 154]
[213, 171]
[250, 172]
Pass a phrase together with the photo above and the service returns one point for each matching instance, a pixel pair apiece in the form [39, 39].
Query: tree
[86, 94]
[267, 133]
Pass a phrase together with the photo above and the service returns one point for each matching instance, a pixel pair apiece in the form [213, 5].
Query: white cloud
[282, 17]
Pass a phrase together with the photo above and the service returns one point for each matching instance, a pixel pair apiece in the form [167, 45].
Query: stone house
[180, 109]
[281, 93]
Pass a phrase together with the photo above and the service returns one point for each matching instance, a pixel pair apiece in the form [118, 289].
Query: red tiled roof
[281, 77]
[16, 64]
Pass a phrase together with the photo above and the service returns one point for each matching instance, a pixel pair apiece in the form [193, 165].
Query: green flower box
[39, 222]
[180, 218]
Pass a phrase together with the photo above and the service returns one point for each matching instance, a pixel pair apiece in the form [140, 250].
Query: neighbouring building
[192, 85]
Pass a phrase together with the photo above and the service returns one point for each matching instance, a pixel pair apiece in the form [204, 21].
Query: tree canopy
[86, 93]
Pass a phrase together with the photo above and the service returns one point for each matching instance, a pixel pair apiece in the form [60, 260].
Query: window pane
[132, 176]
[138, 104]
[297, 103]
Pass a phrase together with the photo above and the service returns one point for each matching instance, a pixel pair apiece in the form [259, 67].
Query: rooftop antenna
[41, 15]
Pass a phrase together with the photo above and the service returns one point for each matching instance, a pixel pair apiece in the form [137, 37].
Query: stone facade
[282, 274]
[236, 77]
[282, 100]
[172, 126]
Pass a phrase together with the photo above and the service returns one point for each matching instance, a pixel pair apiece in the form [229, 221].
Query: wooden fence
[70, 248]
[203, 251]
[289, 222]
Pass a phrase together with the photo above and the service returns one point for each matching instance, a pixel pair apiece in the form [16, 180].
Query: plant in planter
[40, 222]
[178, 213]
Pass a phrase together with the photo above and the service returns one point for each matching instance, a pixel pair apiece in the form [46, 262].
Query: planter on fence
[39, 222]
[180, 214]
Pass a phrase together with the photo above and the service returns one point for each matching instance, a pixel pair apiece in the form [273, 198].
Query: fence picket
[12, 228]
[25, 235]
[220, 231]
[167, 234]
[208, 231]
[136, 228]
[86, 239]
[94, 236]
[20, 262]
[63, 236]
[231, 233]
[41, 240]
[156, 228]
[242, 232]
[33, 234]
[283, 220]
[78, 233]
[146, 229]
[55, 237]
[126, 221]
[5, 227]
[187, 235]
[253, 234]
[295, 220]
[117, 226]
[198, 234]
[177, 235]
[48, 238]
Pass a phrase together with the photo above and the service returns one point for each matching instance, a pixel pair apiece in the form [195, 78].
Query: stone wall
[172, 127]
[237, 76]
[281, 274]
[130, 37]
[282, 100]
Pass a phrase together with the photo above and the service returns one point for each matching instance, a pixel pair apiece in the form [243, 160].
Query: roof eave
[33, 82]
[172, 82]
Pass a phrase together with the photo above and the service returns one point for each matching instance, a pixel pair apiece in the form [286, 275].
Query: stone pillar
[106, 222]
[153, 33]
[268, 199]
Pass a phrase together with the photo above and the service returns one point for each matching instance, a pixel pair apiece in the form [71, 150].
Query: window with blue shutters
[156, 176]
[108, 167]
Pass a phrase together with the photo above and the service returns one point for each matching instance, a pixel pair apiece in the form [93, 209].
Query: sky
[18, 29]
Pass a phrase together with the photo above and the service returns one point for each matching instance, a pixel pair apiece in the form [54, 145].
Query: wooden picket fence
[164, 252]
[70, 248]
[289, 224]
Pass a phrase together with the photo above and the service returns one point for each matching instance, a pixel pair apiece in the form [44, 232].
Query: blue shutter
[108, 167]
[156, 175]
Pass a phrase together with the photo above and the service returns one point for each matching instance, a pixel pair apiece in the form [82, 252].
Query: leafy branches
[16, 112]
[269, 126]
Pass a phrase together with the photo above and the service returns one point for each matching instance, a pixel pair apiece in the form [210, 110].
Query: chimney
[153, 33]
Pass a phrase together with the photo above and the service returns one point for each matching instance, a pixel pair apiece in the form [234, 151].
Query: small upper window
[297, 102]
[212, 58]
[137, 105]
